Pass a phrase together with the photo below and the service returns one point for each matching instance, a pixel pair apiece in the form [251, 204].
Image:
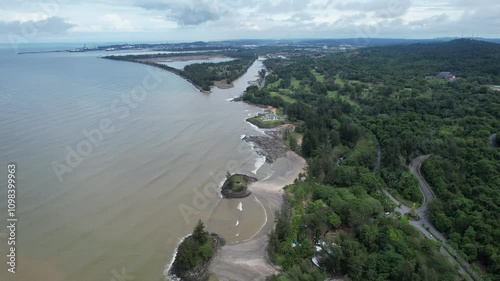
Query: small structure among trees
[446, 76]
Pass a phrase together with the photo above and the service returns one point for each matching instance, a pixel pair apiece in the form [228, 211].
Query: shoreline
[182, 58]
[248, 260]
[166, 68]
[219, 84]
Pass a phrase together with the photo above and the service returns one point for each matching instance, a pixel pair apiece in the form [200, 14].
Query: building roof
[443, 75]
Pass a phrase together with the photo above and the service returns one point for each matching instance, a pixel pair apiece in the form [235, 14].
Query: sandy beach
[247, 261]
[181, 58]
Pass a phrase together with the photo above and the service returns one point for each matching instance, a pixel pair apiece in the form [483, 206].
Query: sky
[31, 21]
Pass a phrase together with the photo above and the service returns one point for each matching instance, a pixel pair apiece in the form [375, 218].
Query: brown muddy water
[115, 162]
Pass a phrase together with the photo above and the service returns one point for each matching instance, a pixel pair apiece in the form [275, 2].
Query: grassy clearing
[274, 84]
[339, 81]
[427, 94]
[448, 131]
[319, 77]
[295, 83]
[286, 99]
[333, 94]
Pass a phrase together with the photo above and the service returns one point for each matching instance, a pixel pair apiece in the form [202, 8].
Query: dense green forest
[346, 105]
[203, 75]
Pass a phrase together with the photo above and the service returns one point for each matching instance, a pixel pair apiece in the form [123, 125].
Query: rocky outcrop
[269, 147]
[228, 192]
[201, 272]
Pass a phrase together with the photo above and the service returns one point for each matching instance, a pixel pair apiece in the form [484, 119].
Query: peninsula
[203, 76]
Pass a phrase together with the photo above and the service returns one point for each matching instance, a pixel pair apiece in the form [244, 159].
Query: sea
[115, 163]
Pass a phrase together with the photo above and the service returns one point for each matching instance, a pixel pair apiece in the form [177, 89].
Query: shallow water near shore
[122, 208]
[182, 64]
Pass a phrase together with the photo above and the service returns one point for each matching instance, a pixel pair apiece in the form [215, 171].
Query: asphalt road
[424, 224]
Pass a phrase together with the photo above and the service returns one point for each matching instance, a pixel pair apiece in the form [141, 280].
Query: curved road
[424, 224]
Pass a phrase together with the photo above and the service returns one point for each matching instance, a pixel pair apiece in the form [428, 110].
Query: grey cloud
[284, 6]
[192, 15]
[482, 14]
[152, 5]
[431, 21]
[382, 8]
[300, 17]
[48, 26]
[192, 12]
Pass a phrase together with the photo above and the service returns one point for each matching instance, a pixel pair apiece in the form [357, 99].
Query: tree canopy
[353, 102]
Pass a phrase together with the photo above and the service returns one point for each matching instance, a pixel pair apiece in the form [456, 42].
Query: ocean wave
[265, 218]
[243, 136]
[259, 162]
[256, 128]
[240, 207]
[268, 177]
[219, 186]
[237, 222]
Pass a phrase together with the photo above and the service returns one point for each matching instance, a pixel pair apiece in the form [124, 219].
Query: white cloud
[45, 26]
[117, 23]
[227, 19]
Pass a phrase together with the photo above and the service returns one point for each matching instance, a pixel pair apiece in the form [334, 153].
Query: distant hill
[464, 57]
[361, 42]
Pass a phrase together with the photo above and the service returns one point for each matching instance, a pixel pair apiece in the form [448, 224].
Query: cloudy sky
[189, 20]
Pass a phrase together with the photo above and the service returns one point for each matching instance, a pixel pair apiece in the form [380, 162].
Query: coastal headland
[248, 260]
[204, 76]
[236, 186]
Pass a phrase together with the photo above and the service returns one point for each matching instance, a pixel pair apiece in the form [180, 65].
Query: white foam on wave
[268, 177]
[219, 189]
[240, 207]
[237, 222]
[265, 218]
[167, 268]
[243, 136]
[259, 162]
[256, 128]
[237, 234]
[230, 99]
